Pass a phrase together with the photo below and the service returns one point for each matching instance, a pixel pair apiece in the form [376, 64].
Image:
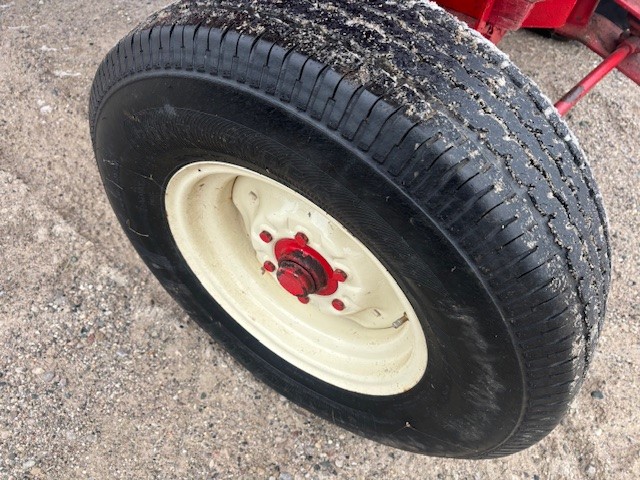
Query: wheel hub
[301, 280]
[302, 270]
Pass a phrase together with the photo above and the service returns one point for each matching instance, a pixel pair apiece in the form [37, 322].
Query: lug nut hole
[265, 236]
[338, 304]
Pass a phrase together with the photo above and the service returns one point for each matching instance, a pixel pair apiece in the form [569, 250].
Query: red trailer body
[575, 19]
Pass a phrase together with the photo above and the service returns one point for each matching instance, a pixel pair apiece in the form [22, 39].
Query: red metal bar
[591, 80]
[603, 37]
[631, 6]
[482, 21]
[505, 15]
[570, 18]
[582, 12]
[551, 14]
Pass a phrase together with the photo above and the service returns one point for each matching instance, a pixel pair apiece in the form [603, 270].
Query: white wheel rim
[217, 211]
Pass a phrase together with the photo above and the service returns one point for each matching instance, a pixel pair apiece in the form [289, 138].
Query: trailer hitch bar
[618, 48]
[573, 96]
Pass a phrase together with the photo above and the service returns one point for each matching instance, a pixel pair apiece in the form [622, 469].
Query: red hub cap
[299, 280]
[303, 271]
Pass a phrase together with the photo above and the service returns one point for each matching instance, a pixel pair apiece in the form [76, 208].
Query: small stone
[63, 74]
[285, 476]
[48, 376]
[46, 109]
[590, 471]
[28, 464]
[597, 394]
[37, 371]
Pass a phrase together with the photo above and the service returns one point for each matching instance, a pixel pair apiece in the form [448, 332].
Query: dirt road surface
[102, 376]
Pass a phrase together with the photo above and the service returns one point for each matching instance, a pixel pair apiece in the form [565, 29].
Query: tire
[419, 142]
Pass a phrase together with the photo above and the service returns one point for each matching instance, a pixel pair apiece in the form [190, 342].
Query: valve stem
[398, 323]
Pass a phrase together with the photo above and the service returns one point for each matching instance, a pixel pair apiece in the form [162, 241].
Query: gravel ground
[103, 376]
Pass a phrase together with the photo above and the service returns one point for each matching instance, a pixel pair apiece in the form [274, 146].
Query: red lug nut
[265, 236]
[338, 304]
[268, 266]
[302, 239]
[339, 275]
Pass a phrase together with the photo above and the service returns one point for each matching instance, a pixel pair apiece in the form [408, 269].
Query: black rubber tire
[473, 194]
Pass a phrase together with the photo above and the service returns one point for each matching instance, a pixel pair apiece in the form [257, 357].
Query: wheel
[370, 207]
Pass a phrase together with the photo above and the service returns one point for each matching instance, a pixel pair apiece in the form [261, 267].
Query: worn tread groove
[315, 88]
[468, 206]
[546, 345]
[546, 262]
[532, 291]
[503, 202]
[513, 262]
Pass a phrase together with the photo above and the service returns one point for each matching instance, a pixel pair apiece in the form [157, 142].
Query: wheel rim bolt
[302, 239]
[303, 299]
[338, 304]
[265, 236]
[269, 266]
[339, 275]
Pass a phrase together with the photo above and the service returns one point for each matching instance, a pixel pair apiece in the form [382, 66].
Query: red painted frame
[571, 18]
[495, 17]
